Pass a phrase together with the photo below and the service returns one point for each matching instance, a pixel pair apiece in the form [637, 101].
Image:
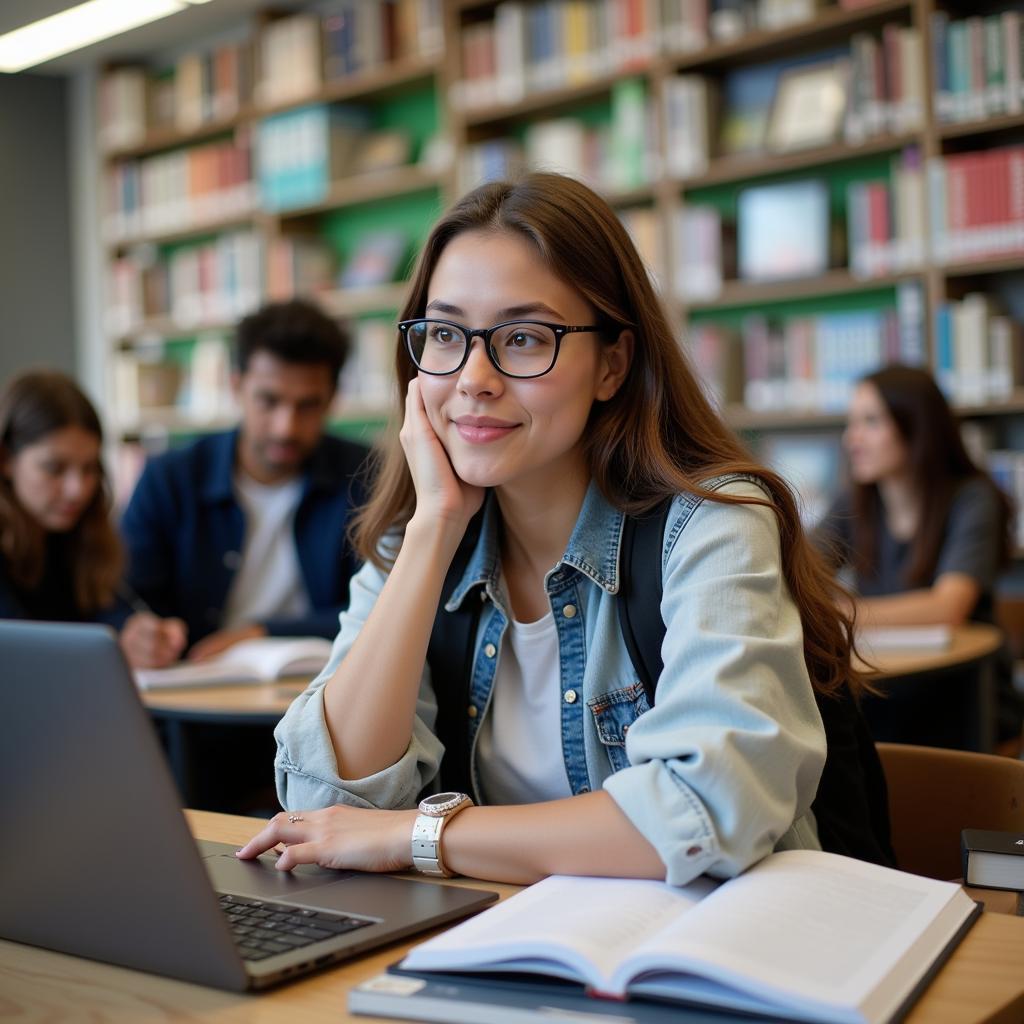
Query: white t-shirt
[269, 582]
[520, 743]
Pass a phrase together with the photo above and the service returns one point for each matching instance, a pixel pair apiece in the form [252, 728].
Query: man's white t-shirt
[519, 752]
[269, 582]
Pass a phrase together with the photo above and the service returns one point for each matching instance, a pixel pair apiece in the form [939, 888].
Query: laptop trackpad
[260, 878]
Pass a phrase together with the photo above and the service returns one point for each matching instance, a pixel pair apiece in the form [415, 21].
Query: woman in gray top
[925, 533]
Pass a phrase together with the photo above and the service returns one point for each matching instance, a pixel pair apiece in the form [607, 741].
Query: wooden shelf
[984, 126]
[385, 298]
[726, 169]
[206, 227]
[1001, 265]
[739, 417]
[550, 101]
[831, 25]
[362, 188]
[835, 282]
[1012, 406]
[163, 327]
[171, 138]
[390, 78]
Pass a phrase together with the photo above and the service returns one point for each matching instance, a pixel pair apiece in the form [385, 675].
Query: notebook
[112, 872]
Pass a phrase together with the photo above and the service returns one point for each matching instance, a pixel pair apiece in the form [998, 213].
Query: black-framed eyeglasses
[517, 348]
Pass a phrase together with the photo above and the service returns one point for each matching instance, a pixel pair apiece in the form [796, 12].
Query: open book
[803, 935]
[251, 661]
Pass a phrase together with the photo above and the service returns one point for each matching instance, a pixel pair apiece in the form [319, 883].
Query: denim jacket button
[569, 611]
[570, 696]
[471, 711]
[490, 650]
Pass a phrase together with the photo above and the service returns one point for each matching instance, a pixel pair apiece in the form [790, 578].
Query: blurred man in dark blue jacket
[243, 534]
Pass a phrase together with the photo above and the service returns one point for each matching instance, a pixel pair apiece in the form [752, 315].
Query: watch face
[439, 799]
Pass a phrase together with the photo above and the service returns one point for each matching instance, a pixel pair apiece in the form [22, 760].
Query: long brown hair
[938, 463]
[32, 406]
[659, 435]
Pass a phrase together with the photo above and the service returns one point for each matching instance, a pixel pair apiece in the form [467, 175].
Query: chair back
[934, 793]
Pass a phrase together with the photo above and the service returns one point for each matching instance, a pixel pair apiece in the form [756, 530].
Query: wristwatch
[435, 811]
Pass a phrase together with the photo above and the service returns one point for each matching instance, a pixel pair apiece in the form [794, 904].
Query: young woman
[544, 387]
[60, 557]
[925, 532]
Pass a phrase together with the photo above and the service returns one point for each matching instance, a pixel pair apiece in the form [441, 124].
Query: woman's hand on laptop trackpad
[357, 838]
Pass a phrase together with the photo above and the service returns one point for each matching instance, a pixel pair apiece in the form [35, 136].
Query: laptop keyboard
[261, 929]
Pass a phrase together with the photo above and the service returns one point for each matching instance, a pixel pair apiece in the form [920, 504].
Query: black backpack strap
[851, 806]
[639, 603]
[450, 657]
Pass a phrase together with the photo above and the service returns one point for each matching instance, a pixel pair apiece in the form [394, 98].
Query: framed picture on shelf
[809, 106]
[783, 230]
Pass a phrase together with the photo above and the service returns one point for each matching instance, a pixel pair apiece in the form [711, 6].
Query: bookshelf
[496, 93]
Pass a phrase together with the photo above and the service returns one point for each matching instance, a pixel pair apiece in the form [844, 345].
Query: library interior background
[817, 188]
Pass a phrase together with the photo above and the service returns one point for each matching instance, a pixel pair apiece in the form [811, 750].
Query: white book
[904, 638]
[252, 661]
[802, 935]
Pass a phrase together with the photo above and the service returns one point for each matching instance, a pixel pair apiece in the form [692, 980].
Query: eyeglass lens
[521, 349]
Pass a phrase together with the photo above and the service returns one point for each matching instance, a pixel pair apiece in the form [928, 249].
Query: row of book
[977, 65]
[183, 189]
[979, 351]
[977, 204]
[532, 47]
[210, 283]
[884, 96]
[805, 363]
[290, 59]
[886, 220]
[613, 156]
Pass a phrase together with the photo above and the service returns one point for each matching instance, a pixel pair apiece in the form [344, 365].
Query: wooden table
[982, 982]
[971, 644]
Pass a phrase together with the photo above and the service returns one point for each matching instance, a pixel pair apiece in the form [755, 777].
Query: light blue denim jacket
[721, 771]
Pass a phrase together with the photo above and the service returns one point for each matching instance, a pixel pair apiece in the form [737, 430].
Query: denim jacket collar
[593, 548]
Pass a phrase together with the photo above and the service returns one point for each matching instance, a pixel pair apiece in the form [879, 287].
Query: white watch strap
[426, 846]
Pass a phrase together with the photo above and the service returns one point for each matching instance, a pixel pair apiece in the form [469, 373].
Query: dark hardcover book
[517, 999]
[993, 860]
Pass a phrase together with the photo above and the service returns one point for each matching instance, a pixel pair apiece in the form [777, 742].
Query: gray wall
[36, 307]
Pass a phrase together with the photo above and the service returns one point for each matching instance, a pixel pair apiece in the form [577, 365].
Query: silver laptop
[99, 861]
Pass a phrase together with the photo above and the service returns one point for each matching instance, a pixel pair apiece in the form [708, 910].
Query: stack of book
[122, 107]
[298, 265]
[689, 102]
[368, 377]
[300, 153]
[716, 355]
[886, 230]
[289, 60]
[976, 65]
[979, 352]
[977, 204]
[183, 189]
[209, 86]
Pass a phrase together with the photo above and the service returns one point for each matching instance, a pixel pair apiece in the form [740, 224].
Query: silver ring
[293, 818]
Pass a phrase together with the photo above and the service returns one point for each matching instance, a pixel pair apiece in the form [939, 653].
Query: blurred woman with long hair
[924, 532]
[60, 556]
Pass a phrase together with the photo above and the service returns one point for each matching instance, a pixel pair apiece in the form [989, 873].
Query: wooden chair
[934, 793]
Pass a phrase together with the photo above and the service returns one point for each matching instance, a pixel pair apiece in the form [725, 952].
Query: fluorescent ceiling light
[79, 26]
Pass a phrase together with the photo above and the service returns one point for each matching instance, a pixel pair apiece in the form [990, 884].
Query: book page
[272, 657]
[564, 926]
[194, 673]
[823, 927]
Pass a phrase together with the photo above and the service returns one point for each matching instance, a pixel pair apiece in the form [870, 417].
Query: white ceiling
[187, 26]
